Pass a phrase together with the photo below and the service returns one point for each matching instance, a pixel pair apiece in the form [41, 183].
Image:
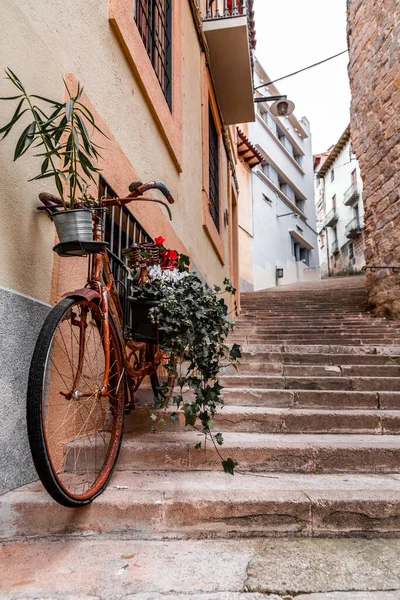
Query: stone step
[326, 370]
[344, 382]
[279, 420]
[258, 452]
[326, 399]
[150, 504]
[370, 349]
[313, 340]
[287, 358]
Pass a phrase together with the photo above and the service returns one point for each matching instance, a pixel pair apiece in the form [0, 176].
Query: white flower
[167, 276]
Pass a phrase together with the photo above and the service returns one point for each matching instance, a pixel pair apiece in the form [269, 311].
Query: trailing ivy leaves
[229, 465]
[194, 322]
[68, 154]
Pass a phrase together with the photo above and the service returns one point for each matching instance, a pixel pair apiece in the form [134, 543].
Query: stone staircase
[312, 417]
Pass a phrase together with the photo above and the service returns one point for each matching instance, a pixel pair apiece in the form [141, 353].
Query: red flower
[172, 255]
[159, 240]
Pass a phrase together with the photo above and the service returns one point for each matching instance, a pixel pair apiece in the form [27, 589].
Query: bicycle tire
[159, 374]
[52, 447]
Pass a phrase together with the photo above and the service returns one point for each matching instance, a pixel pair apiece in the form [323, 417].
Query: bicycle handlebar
[138, 188]
[54, 204]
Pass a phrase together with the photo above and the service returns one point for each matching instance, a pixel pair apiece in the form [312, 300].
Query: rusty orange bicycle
[86, 367]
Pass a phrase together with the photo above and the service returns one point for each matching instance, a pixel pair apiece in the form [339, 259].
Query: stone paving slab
[80, 568]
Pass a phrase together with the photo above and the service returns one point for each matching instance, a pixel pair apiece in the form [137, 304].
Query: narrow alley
[312, 417]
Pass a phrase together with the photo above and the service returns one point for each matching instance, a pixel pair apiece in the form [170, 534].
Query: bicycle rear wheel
[74, 430]
[160, 376]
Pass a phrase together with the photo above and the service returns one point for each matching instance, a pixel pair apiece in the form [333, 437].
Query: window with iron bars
[153, 20]
[121, 230]
[213, 171]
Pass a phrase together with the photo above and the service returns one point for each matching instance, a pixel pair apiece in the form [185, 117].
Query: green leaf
[15, 116]
[12, 76]
[84, 132]
[44, 166]
[26, 139]
[190, 420]
[69, 106]
[197, 446]
[219, 439]
[11, 97]
[75, 136]
[153, 417]
[229, 466]
[54, 102]
[60, 188]
[174, 417]
[235, 352]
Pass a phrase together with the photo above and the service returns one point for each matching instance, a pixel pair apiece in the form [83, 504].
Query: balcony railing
[354, 228]
[331, 218]
[335, 247]
[217, 9]
[229, 29]
[351, 195]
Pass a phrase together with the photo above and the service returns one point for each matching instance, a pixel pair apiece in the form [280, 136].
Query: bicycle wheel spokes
[80, 424]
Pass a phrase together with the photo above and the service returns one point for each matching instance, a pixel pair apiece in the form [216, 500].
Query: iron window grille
[213, 171]
[153, 20]
[121, 229]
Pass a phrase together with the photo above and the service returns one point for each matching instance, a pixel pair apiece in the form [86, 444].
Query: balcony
[331, 218]
[229, 29]
[351, 196]
[354, 228]
[335, 247]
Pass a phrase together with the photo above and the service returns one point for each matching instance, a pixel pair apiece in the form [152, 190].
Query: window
[153, 19]
[266, 169]
[299, 202]
[282, 185]
[213, 170]
[354, 178]
[267, 200]
[351, 251]
[280, 135]
[332, 174]
[298, 158]
[334, 201]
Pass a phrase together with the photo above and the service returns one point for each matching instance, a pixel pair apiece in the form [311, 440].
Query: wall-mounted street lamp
[282, 107]
[295, 214]
[279, 273]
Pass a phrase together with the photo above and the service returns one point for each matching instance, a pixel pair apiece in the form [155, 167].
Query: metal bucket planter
[141, 326]
[74, 225]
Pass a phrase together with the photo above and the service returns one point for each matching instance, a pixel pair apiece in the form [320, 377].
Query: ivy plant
[193, 323]
[59, 130]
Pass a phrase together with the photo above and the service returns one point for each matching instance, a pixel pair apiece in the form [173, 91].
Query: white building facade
[340, 210]
[284, 237]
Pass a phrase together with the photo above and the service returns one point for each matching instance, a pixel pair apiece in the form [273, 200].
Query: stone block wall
[374, 72]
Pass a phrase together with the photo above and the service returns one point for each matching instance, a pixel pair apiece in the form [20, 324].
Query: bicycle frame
[101, 283]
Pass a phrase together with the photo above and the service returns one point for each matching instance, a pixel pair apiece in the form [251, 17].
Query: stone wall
[374, 44]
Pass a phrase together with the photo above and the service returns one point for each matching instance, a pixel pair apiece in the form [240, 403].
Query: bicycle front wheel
[74, 426]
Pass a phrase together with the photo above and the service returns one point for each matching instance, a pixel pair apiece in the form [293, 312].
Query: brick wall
[374, 72]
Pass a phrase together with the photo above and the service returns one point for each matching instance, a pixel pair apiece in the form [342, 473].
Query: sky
[292, 34]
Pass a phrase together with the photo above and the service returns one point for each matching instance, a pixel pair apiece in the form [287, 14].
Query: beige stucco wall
[245, 219]
[42, 42]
